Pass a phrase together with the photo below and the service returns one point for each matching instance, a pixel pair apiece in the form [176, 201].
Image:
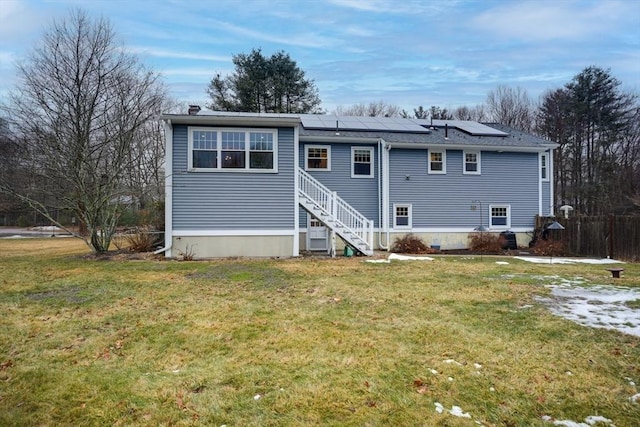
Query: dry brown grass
[298, 342]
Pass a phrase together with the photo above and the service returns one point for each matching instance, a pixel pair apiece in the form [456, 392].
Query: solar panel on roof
[473, 128]
[361, 123]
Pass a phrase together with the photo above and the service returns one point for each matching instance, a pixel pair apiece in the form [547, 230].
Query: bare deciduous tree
[82, 110]
[511, 106]
[372, 109]
[476, 114]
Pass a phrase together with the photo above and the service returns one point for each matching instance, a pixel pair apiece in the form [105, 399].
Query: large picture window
[233, 149]
[437, 161]
[317, 157]
[500, 216]
[361, 162]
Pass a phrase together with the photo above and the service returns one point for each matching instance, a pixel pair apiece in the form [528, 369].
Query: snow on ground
[597, 306]
[551, 260]
[588, 422]
[399, 257]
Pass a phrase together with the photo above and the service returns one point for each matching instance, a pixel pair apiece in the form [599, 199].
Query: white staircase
[336, 214]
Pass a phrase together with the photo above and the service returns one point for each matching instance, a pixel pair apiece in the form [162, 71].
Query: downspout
[380, 204]
[168, 190]
[383, 167]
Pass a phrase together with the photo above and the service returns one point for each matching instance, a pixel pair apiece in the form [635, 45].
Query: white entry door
[317, 235]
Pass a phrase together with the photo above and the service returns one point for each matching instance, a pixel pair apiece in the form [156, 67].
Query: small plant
[411, 244]
[486, 242]
[142, 241]
[188, 254]
[549, 247]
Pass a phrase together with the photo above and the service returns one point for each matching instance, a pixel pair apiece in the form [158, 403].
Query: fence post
[611, 219]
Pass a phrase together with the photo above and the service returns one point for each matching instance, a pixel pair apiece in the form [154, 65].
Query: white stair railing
[340, 216]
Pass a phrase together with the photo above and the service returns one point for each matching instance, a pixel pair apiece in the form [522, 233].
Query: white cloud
[163, 53]
[545, 21]
[310, 40]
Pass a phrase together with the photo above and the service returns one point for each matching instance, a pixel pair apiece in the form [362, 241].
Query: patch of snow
[502, 263]
[257, 397]
[450, 379]
[551, 260]
[492, 389]
[399, 257]
[477, 365]
[455, 410]
[453, 361]
[433, 371]
[589, 421]
[600, 306]
[635, 398]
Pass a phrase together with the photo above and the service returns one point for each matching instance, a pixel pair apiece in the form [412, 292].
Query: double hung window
[318, 157]
[471, 162]
[437, 161]
[361, 162]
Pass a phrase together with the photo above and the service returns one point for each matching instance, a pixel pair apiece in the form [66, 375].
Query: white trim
[353, 163]
[454, 146]
[478, 162]
[296, 190]
[464, 230]
[218, 149]
[168, 187]
[213, 233]
[306, 158]
[507, 226]
[551, 182]
[409, 214]
[444, 161]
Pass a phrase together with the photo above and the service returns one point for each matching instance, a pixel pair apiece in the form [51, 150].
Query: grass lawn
[300, 342]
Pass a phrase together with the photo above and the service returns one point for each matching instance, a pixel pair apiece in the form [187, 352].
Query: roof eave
[259, 121]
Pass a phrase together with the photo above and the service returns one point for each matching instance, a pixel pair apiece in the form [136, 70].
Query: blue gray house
[273, 185]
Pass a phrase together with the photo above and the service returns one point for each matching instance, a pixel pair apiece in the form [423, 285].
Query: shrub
[549, 247]
[142, 241]
[410, 244]
[486, 242]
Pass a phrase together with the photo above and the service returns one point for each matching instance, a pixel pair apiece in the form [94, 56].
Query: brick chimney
[193, 110]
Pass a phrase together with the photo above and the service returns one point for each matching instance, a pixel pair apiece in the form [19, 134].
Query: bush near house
[486, 242]
[411, 244]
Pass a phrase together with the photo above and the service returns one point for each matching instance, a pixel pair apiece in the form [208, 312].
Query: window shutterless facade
[500, 216]
[401, 216]
[317, 157]
[213, 149]
[544, 166]
[361, 162]
[437, 161]
[471, 162]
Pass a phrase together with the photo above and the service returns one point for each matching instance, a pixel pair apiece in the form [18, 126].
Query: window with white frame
[317, 157]
[500, 216]
[401, 216]
[232, 149]
[471, 162]
[361, 162]
[437, 161]
[544, 166]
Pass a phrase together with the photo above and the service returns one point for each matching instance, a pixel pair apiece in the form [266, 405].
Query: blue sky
[408, 53]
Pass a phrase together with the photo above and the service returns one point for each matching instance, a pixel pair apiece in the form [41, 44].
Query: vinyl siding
[445, 200]
[361, 193]
[233, 200]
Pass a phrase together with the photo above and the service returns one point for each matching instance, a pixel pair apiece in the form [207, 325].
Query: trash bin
[509, 238]
[348, 251]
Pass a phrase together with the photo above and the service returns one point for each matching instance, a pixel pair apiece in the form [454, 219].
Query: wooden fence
[617, 237]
